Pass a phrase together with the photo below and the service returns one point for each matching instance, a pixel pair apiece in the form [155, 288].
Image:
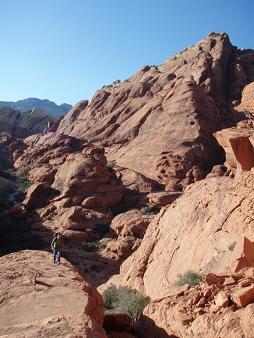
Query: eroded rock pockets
[160, 121]
[38, 298]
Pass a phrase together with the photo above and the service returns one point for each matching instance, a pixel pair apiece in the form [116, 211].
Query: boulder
[38, 195]
[160, 199]
[131, 223]
[238, 145]
[244, 254]
[244, 296]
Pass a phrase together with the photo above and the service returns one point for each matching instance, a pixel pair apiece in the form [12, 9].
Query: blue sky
[65, 50]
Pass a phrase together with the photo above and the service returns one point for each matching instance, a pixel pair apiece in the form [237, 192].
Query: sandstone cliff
[160, 121]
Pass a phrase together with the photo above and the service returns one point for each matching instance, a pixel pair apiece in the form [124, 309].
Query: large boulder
[40, 299]
[238, 145]
[128, 228]
[38, 195]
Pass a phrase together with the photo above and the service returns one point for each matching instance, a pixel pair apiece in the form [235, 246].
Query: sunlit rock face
[160, 121]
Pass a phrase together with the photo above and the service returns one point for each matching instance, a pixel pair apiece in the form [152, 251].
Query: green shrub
[146, 210]
[110, 297]
[189, 277]
[49, 216]
[232, 246]
[94, 245]
[124, 300]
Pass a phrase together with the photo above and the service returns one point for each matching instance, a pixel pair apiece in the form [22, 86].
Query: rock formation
[222, 306]
[157, 143]
[160, 121]
[18, 125]
[39, 299]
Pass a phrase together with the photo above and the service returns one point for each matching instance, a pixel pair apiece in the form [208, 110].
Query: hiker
[57, 246]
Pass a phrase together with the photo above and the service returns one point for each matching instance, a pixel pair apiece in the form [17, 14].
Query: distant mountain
[22, 124]
[49, 107]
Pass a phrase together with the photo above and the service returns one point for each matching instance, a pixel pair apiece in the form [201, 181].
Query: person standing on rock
[57, 246]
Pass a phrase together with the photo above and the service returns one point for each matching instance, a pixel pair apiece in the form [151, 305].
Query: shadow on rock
[145, 327]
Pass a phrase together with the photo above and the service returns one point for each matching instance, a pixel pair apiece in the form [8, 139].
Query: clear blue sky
[65, 50]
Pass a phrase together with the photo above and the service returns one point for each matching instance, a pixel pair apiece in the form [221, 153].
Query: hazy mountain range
[48, 106]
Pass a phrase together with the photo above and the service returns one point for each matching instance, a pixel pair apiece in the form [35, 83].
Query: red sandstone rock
[229, 281]
[160, 199]
[244, 296]
[211, 278]
[192, 234]
[244, 254]
[221, 300]
[131, 223]
[246, 282]
[39, 298]
[38, 195]
[238, 146]
[160, 121]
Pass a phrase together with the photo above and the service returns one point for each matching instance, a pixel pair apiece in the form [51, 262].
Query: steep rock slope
[40, 299]
[160, 121]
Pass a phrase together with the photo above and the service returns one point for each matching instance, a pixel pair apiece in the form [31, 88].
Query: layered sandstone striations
[39, 299]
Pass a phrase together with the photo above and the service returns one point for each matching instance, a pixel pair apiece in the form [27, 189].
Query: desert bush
[189, 277]
[94, 245]
[232, 246]
[49, 216]
[146, 210]
[124, 300]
